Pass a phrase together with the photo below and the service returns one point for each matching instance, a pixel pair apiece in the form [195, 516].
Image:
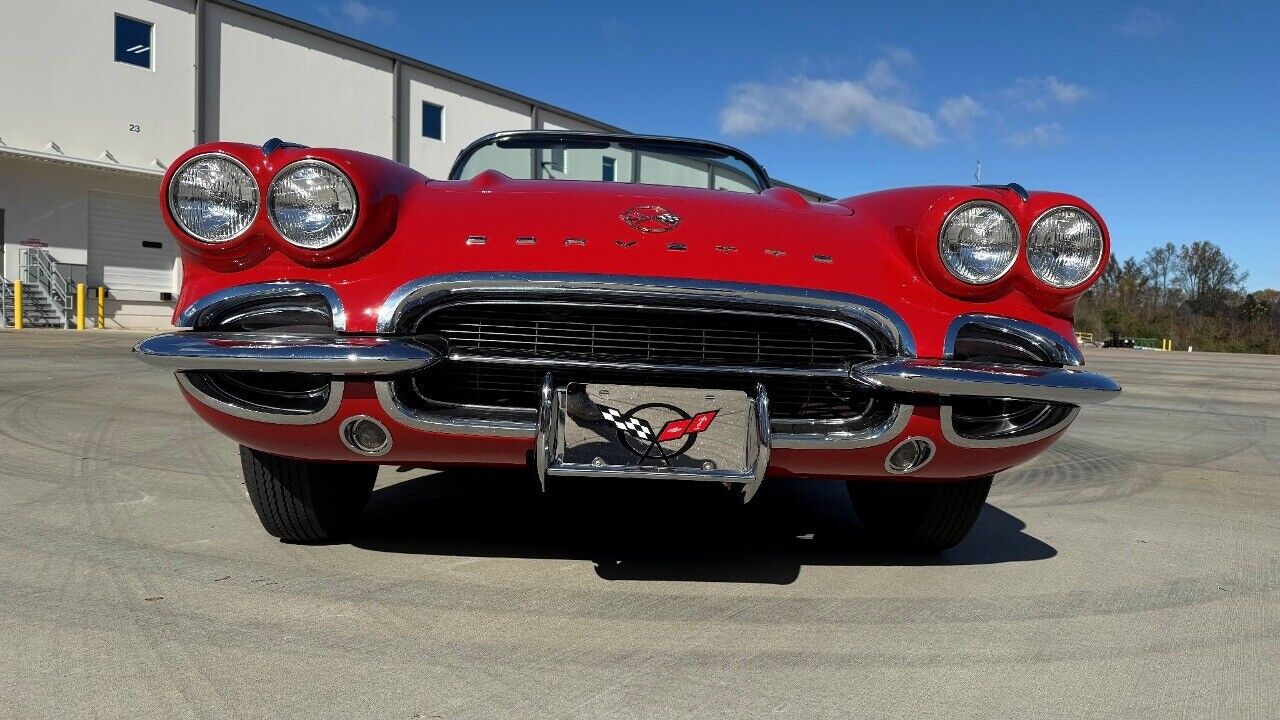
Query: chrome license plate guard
[550, 454]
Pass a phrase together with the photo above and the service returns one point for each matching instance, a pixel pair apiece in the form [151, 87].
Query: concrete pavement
[1132, 571]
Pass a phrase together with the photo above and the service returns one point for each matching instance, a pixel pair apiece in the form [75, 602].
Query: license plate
[653, 432]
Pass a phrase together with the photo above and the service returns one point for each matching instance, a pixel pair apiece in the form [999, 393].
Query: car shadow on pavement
[655, 530]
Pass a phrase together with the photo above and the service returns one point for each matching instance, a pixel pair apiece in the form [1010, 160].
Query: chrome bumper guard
[982, 380]
[275, 352]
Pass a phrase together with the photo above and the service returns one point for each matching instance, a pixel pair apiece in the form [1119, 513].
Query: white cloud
[362, 13]
[961, 113]
[875, 102]
[1044, 92]
[1144, 23]
[1042, 135]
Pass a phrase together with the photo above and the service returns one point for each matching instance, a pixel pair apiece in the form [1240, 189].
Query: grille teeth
[519, 342]
[644, 334]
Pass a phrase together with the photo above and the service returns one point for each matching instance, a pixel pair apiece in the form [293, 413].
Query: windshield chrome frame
[552, 136]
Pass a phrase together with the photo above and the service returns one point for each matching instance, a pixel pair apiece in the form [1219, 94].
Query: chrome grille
[595, 332]
[518, 386]
[500, 350]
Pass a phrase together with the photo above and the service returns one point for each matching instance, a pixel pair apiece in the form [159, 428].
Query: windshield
[612, 158]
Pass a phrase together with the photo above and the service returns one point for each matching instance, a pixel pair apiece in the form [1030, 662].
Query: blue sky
[1162, 116]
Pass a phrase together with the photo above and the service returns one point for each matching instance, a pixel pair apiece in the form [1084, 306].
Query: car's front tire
[925, 517]
[306, 502]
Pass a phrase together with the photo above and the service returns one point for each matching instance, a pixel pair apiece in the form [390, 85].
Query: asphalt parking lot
[1132, 571]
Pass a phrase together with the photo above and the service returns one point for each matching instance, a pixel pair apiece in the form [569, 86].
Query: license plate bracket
[653, 433]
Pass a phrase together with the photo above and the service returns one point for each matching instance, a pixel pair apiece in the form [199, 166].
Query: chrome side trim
[327, 412]
[271, 352]
[200, 309]
[891, 428]
[955, 438]
[444, 421]
[666, 291]
[950, 377]
[1053, 344]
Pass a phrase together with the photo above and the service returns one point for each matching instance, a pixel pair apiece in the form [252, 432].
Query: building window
[133, 42]
[557, 160]
[609, 169]
[432, 121]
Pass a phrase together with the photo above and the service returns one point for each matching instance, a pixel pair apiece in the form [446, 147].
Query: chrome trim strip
[327, 412]
[1053, 344]
[444, 421]
[955, 438]
[271, 352]
[670, 291]
[950, 377]
[891, 428]
[231, 296]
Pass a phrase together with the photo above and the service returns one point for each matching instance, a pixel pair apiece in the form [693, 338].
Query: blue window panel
[432, 121]
[133, 42]
[609, 169]
[557, 160]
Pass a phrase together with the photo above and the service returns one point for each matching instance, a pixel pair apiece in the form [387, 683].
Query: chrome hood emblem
[651, 219]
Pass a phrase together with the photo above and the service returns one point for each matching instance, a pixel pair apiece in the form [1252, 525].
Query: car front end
[350, 311]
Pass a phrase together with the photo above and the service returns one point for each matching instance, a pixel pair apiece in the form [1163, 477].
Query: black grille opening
[993, 419]
[643, 334]
[298, 314]
[985, 343]
[268, 392]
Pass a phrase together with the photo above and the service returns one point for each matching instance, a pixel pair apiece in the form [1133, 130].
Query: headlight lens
[1064, 247]
[312, 204]
[978, 242]
[213, 197]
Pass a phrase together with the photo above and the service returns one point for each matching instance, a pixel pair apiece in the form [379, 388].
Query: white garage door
[129, 246]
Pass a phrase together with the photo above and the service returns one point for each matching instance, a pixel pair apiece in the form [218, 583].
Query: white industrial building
[86, 132]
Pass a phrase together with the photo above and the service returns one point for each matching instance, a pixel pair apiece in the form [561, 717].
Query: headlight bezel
[1018, 239]
[1097, 262]
[171, 191]
[326, 165]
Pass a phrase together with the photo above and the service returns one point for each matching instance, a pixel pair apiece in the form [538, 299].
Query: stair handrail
[39, 267]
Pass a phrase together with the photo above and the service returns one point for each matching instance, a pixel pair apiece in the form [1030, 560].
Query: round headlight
[1064, 247]
[978, 242]
[213, 197]
[312, 204]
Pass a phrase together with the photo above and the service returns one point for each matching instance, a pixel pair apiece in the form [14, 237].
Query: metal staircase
[48, 294]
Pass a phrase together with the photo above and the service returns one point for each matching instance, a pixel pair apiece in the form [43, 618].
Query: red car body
[880, 247]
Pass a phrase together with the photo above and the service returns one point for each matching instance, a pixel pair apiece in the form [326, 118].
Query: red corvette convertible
[623, 307]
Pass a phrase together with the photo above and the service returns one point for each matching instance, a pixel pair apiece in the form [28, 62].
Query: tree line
[1192, 294]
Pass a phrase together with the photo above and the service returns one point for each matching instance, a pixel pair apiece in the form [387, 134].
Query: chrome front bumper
[386, 357]
[343, 355]
[372, 356]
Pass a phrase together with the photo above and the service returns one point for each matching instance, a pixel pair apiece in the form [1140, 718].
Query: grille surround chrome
[882, 330]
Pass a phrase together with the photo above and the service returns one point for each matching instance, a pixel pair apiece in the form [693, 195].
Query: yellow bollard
[79, 306]
[102, 308]
[17, 304]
